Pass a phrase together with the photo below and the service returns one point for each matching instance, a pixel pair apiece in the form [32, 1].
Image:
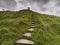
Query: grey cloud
[58, 4]
[44, 1]
[38, 1]
[7, 4]
[45, 6]
[23, 2]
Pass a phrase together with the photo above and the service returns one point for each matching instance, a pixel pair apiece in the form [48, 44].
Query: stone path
[32, 26]
[31, 29]
[27, 34]
[24, 41]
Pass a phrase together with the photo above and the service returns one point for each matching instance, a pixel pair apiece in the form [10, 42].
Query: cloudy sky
[42, 6]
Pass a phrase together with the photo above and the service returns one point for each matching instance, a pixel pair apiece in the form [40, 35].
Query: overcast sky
[42, 6]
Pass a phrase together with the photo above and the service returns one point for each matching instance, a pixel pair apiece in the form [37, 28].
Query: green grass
[47, 31]
[14, 24]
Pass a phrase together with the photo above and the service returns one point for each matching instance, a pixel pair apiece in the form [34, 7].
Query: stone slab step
[27, 34]
[31, 29]
[32, 26]
[33, 22]
[24, 42]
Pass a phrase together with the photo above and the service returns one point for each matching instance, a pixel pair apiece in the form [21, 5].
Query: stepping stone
[28, 31]
[31, 29]
[24, 42]
[33, 22]
[27, 34]
[32, 26]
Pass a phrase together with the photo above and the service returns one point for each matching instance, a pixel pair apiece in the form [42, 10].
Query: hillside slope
[47, 31]
[14, 24]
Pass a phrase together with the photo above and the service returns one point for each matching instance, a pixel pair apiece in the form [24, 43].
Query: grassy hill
[14, 24]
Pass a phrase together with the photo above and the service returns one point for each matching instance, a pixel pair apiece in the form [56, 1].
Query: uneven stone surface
[33, 22]
[24, 41]
[32, 26]
[27, 34]
[31, 29]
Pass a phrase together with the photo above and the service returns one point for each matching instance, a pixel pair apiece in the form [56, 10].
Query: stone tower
[28, 8]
